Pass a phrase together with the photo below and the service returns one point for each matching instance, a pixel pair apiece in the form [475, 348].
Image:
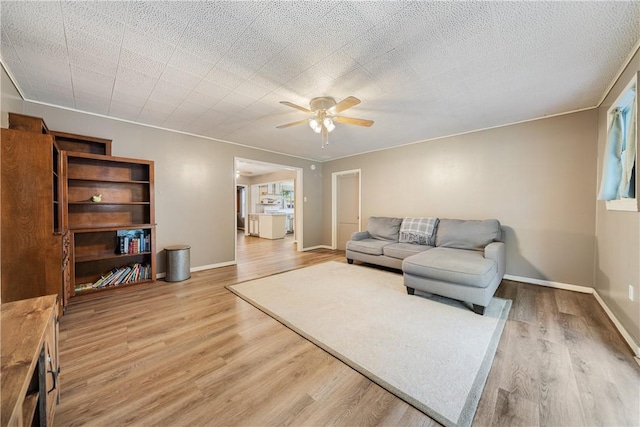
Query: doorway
[346, 206]
[268, 189]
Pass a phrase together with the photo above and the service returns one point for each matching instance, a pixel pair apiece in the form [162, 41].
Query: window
[618, 185]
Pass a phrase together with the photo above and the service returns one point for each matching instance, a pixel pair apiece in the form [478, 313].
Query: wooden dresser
[29, 389]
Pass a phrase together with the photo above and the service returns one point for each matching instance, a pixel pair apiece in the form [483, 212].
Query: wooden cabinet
[31, 253]
[30, 388]
[34, 253]
[27, 123]
[65, 203]
[108, 199]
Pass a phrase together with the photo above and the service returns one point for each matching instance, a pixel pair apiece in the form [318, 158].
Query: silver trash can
[178, 263]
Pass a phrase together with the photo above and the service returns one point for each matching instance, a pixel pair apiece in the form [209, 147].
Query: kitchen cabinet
[268, 226]
[272, 226]
[254, 225]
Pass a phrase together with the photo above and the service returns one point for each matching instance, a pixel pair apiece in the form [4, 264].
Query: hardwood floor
[192, 353]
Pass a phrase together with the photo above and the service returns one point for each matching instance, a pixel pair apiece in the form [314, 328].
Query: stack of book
[134, 245]
[121, 275]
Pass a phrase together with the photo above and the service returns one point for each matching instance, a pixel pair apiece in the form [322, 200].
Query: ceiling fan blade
[348, 102]
[299, 122]
[297, 107]
[353, 121]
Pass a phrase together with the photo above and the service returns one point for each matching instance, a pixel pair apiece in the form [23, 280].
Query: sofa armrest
[496, 251]
[360, 235]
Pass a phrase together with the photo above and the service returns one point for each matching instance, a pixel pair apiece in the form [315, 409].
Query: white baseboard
[550, 284]
[202, 267]
[627, 337]
[587, 290]
[316, 247]
[210, 266]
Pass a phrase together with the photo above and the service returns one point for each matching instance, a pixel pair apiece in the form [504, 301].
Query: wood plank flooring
[192, 353]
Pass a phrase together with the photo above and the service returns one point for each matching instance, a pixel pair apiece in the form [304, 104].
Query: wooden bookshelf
[97, 252]
[124, 185]
[125, 207]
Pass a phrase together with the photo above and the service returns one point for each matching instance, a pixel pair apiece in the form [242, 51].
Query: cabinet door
[31, 267]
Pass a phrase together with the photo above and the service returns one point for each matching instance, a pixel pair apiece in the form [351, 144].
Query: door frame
[334, 203]
[298, 209]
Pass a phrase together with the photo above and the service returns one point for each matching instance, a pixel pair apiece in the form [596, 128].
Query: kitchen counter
[268, 225]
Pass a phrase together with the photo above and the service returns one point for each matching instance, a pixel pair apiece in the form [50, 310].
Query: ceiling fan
[324, 110]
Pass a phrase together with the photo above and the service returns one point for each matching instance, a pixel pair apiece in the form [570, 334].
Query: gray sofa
[459, 259]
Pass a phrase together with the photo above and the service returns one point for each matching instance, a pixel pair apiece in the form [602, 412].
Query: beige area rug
[433, 353]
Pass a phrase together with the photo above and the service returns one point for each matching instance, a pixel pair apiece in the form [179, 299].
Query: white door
[348, 207]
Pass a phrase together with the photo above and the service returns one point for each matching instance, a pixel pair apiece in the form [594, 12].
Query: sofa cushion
[459, 266]
[403, 250]
[367, 246]
[384, 228]
[467, 234]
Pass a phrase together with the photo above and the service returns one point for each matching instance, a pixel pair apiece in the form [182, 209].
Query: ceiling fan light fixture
[324, 110]
[315, 125]
[328, 124]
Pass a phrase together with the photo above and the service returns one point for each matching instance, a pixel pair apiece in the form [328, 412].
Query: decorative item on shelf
[96, 198]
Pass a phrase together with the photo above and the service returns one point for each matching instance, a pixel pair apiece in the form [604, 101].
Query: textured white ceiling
[219, 69]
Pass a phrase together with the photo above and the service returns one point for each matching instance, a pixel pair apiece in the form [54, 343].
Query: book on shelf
[83, 286]
[133, 241]
[131, 273]
[98, 283]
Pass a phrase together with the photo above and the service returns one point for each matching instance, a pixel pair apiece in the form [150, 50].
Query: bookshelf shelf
[112, 228]
[94, 291]
[103, 256]
[107, 203]
[113, 181]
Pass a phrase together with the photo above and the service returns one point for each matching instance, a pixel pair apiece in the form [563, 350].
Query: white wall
[194, 178]
[194, 181]
[538, 178]
[618, 235]
[10, 99]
